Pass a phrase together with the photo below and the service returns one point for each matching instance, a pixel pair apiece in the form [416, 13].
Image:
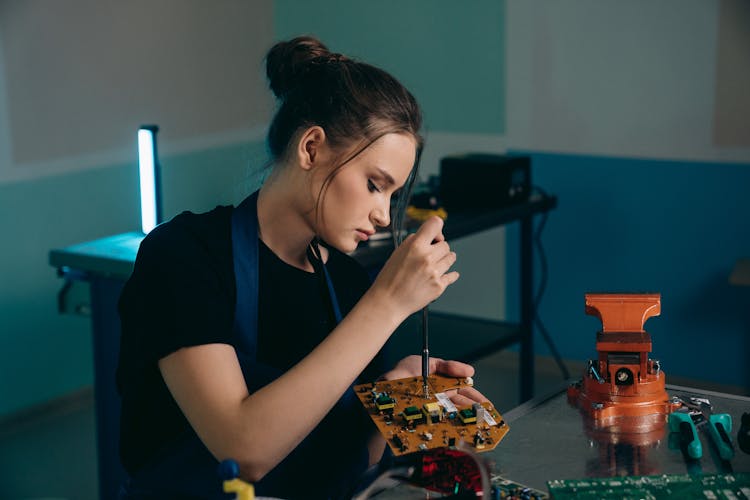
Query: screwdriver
[425, 355]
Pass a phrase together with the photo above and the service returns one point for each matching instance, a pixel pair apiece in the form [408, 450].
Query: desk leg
[527, 310]
[106, 335]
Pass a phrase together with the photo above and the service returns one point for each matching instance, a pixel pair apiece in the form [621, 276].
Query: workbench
[549, 439]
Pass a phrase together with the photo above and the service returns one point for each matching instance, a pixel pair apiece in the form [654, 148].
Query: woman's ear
[311, 147]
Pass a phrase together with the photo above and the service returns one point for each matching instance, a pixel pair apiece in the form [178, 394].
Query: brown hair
[354, 102]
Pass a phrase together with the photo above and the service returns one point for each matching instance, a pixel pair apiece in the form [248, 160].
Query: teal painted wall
[635, 225]
[449, 54]
[452, 56]
[440, 50]
[44, 354]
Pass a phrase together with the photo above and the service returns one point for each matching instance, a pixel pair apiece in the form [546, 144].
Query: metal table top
[550, 439]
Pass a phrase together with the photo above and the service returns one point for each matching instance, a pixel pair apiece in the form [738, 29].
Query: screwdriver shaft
[425, 354]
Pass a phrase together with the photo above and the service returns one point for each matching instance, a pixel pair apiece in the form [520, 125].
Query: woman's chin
[347, 246]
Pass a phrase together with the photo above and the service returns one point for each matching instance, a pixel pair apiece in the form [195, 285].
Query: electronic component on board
[411, 422]
[467, 416]
[716, 486]
[412, 415]
[433, 412]
[385, 403]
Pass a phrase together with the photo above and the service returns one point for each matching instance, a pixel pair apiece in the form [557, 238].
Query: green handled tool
[719, 427]
[682, 423]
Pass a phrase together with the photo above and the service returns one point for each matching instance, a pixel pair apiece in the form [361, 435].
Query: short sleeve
[180, 293]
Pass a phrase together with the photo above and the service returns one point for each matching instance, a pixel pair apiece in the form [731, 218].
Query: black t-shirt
[182, 293]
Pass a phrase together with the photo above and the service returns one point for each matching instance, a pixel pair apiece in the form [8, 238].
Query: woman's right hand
[418, 270]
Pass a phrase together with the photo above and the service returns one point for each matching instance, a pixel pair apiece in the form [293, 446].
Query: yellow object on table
[422, 214]
[244, 491]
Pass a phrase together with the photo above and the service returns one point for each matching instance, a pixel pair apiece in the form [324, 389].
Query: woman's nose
[381, 215]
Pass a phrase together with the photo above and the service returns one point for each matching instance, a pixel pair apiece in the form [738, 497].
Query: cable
[540, 292]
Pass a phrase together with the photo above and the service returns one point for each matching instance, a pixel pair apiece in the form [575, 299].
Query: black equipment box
[477, 180]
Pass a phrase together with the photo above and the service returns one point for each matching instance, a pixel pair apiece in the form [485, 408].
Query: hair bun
[286, 61]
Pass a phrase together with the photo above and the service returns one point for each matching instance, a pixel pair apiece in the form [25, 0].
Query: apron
[188, 470]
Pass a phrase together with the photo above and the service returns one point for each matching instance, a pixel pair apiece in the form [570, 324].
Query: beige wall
[626, 79]
[80, 76]
[732, 107]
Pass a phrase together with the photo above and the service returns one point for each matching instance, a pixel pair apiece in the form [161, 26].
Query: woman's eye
[372, 187]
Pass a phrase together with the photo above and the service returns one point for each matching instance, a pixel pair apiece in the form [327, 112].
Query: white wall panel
[732, 118]
[78, 78]
[616, 78]
[481, 289]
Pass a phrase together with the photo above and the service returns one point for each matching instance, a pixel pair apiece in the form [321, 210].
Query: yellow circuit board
[411, 422]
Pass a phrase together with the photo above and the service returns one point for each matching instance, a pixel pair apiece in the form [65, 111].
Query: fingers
[445, 261]
[431, 231]
[440, 250]
[419, 270]
[473, 394]
[451, 368]
[411, 366]
[467, 396]
[448, 279]
[460, 400]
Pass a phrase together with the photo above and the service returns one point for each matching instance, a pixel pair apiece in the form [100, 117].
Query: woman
[244, 328]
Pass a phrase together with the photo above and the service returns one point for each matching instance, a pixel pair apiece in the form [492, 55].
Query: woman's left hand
[411, 366]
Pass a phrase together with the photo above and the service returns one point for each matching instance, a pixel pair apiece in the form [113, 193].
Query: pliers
[700, 411]
[681, 423]
[719, 427]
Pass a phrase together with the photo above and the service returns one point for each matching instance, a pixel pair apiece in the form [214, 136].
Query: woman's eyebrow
[389, 179]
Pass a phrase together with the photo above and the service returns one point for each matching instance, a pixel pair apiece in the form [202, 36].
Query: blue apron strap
[245, 257]
[246, 260]
[332, 294]
[188, 468]
[315, 251]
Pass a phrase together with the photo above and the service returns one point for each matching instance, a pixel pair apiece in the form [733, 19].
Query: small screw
[657, 366]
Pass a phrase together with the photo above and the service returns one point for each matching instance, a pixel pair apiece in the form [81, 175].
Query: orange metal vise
[624, 381]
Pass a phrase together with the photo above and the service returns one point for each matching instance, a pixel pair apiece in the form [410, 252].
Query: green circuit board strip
[510, 490]
[683, 486]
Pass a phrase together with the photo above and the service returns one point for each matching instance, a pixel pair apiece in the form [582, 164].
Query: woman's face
[358, 197]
